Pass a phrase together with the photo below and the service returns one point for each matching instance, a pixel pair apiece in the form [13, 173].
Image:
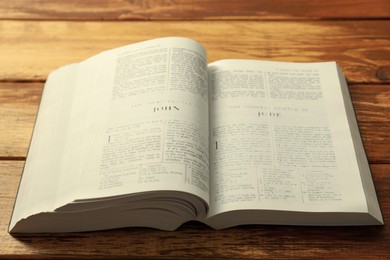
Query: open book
[151, 135]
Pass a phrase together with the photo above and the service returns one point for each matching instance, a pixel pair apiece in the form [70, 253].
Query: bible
[151, 135]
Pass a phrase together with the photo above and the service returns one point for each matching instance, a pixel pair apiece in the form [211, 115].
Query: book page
[280, 139]
[140, 122]
[39, 182]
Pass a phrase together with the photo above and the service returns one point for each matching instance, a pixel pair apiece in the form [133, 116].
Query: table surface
[37, 36]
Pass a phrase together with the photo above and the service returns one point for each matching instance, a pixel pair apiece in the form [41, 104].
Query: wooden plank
[194, 9]
[29, 50]
[194, 240]
[19, 103]
[18, 109]
[372, 109]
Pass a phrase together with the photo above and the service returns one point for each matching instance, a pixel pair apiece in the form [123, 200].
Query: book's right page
[281, 147]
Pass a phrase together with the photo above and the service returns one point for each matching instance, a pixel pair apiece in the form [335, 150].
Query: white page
[40, 179]
[280, 140]
[139, 122]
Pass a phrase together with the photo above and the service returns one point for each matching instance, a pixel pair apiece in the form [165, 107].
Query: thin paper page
[279, 139]
[39, 182]
[141, 122]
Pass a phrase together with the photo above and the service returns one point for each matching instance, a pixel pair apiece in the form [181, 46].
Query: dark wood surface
[179, 10]
[37, 36]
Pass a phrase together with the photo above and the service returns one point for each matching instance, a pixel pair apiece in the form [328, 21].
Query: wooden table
[37, 36]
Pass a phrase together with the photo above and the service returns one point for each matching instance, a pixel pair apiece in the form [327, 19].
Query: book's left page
[127, 121]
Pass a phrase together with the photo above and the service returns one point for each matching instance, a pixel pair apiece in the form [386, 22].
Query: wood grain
[372, 109]
[195, 240]
[18, 109]
[30, 49]
[19, 103]
[193, 9]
